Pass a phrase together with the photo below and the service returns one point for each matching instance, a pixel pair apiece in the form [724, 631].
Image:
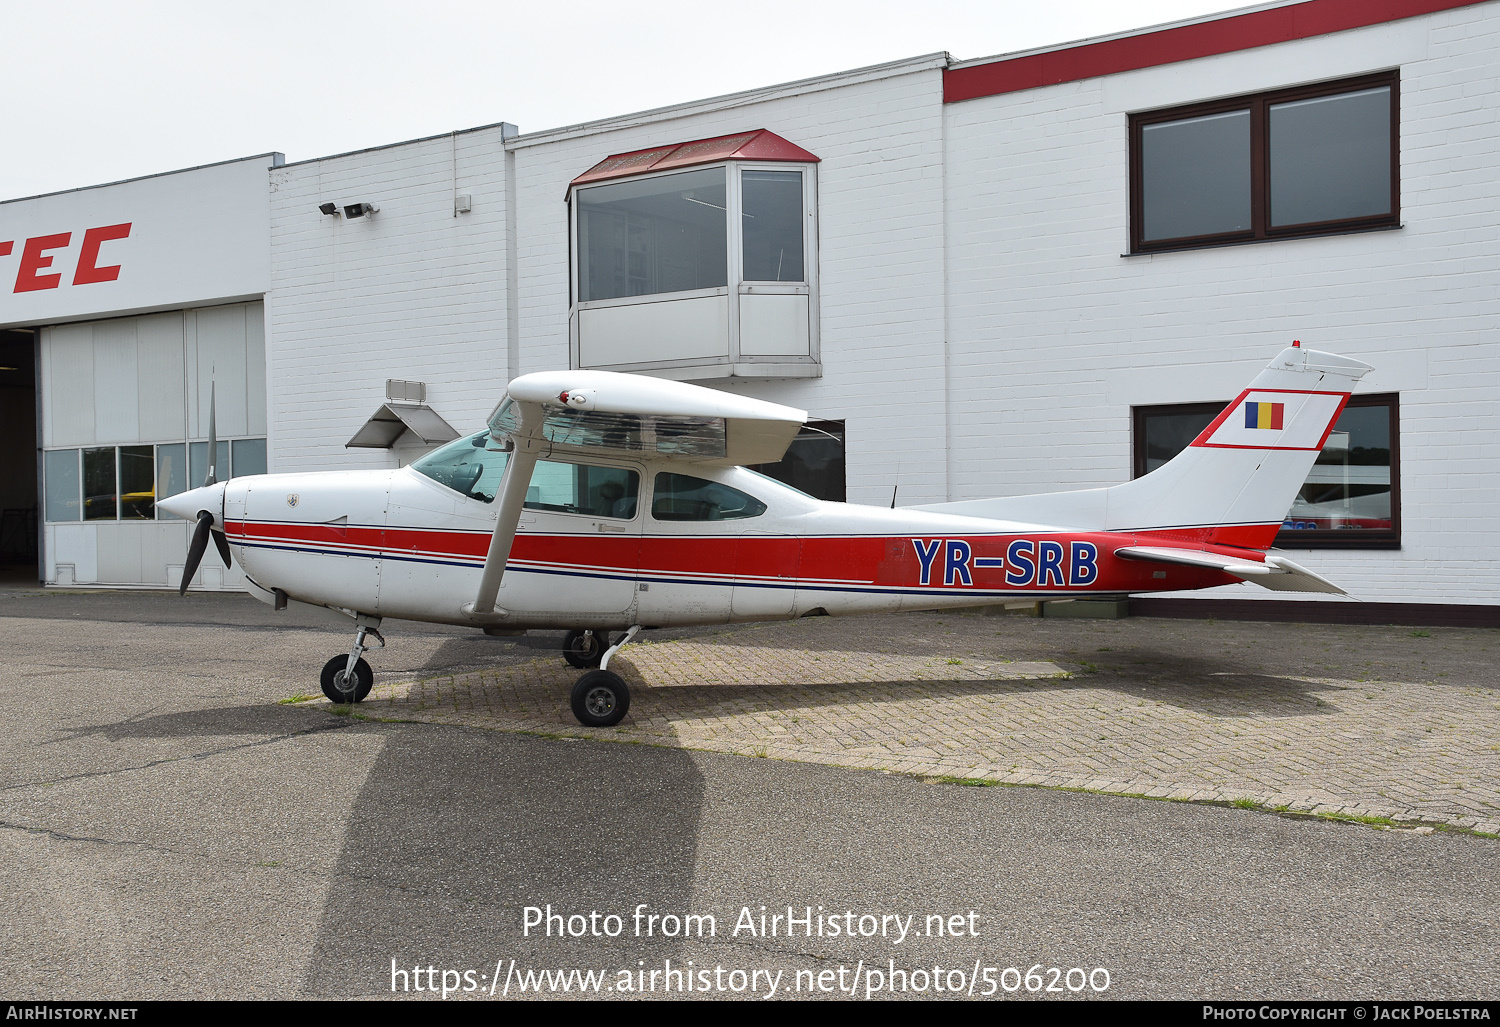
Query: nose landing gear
[601, 698]
[348, 678]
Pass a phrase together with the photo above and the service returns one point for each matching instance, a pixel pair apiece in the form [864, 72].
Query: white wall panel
[255, 369]
[160, 382]
[68, 385]
[773, 325]
[217, 334]
[650, 332]
[77, 546]
[116, 394]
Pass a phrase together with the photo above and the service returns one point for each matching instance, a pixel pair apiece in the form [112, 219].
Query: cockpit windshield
[471, 466]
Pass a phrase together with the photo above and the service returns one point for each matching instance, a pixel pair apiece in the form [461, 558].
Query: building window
[643, 238]
[113, 483]
[1352, 496]
[1308, 161]
[814, 462]
[698, 260]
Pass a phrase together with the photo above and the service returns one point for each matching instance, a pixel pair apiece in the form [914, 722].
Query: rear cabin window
[681, 497]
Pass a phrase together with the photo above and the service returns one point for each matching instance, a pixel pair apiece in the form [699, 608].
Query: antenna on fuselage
[897, 485]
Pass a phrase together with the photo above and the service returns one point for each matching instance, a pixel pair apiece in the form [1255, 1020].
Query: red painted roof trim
[1184, 43]
[757, 144]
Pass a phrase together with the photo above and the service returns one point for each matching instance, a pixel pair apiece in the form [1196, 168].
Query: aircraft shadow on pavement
[271, 721]
[456, 831]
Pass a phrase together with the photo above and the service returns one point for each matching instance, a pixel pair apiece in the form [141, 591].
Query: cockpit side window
[474, 467]
[681, 497]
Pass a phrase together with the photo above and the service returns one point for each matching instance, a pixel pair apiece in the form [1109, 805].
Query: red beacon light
[1296, 344]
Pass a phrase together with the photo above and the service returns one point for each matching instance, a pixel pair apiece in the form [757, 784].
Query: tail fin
[1234, 483]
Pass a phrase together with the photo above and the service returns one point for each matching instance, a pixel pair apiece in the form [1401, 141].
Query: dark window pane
[61, 471]
[772, 225]
[658, 235]
[814, 462]
[249, 457]
[1195, 176]
[681, 497]
[100, 502]
[137, 483]
[1331, 157]
[1349, 488]
[171, 473]
[1167, 434]
[198, 464]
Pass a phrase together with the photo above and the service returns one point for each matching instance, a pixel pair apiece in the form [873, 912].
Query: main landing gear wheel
[335, 681]
[584, 649]
[600, 699]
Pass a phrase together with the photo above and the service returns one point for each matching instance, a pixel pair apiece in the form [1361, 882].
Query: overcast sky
[100, 91]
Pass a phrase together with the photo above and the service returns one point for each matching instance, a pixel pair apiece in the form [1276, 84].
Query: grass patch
[295, 699]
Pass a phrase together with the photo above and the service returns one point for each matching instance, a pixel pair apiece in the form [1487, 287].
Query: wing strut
[528, 447]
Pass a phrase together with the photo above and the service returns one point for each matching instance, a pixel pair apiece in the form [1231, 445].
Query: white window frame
[734, 242]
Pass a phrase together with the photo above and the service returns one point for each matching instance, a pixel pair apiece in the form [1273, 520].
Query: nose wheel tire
[334, 681]
[600, 699]
[584, 649]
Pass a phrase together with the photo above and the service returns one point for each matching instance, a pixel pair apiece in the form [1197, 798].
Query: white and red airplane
[600, 502]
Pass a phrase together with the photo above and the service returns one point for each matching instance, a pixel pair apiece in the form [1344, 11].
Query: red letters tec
[36, 258]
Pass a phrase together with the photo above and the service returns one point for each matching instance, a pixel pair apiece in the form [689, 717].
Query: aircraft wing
[1277, 572]
[625, 412]
[555, 412]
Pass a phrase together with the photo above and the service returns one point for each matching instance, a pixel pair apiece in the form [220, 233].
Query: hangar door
[124, 420]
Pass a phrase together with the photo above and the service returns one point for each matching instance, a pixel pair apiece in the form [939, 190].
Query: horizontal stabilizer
[1276, 573]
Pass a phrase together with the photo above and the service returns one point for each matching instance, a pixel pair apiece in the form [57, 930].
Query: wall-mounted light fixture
[329, 208]
[359, 210]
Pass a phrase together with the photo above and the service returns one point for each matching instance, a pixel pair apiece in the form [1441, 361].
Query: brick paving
[1354, 720]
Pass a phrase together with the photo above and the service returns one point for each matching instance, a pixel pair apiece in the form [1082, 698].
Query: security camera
[329, 208]
[359, 210]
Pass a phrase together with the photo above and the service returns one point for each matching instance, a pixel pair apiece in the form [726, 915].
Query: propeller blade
[195, 550]
[213, 435]
[223, 544]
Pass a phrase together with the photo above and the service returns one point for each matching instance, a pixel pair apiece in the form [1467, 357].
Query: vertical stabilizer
[1234, 483]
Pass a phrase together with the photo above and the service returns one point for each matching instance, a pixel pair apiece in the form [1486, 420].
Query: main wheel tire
[600, 699]
[333, 679]
[584, 648]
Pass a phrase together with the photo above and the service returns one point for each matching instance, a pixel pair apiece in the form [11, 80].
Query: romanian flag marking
[1264, 415]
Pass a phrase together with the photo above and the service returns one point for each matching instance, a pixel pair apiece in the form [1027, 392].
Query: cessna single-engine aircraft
[601, 502]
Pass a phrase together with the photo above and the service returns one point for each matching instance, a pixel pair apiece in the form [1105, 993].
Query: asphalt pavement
[172, 829]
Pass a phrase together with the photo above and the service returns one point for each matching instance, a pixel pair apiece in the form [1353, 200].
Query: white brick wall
[413, 292]
[1051, 327]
